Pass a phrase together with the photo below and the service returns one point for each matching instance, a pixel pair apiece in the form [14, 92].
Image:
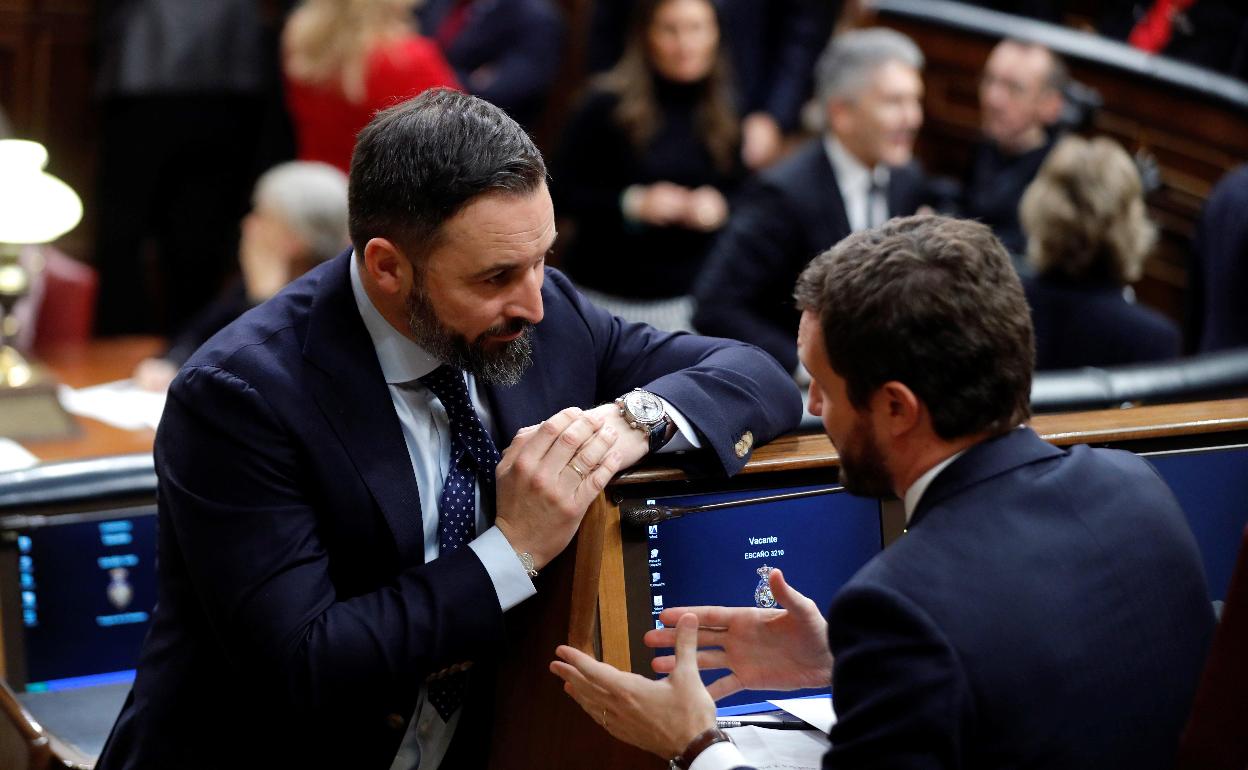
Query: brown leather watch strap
[705, 740]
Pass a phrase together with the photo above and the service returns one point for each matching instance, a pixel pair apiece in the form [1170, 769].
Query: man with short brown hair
[1046, 608]
[361, 477]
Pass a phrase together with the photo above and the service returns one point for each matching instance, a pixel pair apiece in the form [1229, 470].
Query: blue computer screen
[87, 590]
[1212, 488]
[712, 558]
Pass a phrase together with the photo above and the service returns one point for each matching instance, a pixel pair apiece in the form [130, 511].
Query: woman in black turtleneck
[648, 162]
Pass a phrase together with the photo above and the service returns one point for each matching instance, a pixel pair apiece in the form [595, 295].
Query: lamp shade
[35, 207]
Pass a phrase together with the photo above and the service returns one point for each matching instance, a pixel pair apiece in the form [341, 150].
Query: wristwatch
[645, 412]
[705, 740]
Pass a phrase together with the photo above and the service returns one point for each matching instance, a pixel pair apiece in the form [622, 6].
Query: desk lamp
[35, 208]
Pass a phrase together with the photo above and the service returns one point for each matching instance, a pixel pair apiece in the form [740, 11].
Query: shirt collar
[851, 174]
[401, 359]
[915, 493]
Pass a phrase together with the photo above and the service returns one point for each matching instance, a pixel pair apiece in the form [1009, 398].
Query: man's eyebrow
[495, 268]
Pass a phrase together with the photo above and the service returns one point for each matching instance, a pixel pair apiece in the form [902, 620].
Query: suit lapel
[984, 460]
[833, 219]
[348, 385]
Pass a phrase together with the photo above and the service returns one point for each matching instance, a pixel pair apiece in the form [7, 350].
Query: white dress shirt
[915, 493]
[427, 435]
[854, 181]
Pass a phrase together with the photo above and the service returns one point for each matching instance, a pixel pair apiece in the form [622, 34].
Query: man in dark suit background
[1020, 102]
[505, 51]
[1046, 608]
[858, 174]
[1217, 318]
[336, 549]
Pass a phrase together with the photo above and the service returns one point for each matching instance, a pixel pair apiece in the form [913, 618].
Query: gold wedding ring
[604, 719]
[576, 469]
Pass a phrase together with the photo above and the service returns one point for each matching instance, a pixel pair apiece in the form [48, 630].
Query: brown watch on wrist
[705, 740]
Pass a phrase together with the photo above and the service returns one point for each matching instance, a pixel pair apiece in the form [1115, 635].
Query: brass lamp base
[29, 407]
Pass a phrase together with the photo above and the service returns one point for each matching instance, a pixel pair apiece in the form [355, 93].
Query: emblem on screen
[119, 590]
[762, 592]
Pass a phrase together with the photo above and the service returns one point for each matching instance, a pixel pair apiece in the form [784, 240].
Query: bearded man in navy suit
[1046, 608]
[339, 538]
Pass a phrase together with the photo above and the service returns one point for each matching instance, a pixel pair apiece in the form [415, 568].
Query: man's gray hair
[851, 58]
[311, 197]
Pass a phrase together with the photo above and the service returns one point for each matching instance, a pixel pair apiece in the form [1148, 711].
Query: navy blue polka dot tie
[473, 460]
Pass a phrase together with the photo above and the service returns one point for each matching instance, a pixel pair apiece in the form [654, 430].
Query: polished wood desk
[93, 363]
[581, 596]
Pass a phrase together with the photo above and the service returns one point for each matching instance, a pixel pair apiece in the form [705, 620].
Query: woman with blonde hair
[1088, 237]
[346, 59]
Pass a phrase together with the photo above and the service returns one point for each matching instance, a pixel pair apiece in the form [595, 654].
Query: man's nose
[526, 303]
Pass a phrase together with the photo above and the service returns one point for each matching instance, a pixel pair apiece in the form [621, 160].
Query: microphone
[642, 513]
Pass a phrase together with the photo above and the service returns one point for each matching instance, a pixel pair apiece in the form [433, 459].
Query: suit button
[396, 722]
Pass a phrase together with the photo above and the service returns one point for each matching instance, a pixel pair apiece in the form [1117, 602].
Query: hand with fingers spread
[774, 649]
[548, 477]
[662, 716]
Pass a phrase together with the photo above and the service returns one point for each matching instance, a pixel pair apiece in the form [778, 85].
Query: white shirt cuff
[719, 756]
[511, 582]
[685, 437]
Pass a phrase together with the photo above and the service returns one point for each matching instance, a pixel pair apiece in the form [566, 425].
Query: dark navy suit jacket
[507, 52]
[1045, 609]
[790, 215]
[296, 618]
[1218, 270]
[1094, 325]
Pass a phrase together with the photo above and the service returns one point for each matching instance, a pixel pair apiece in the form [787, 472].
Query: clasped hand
[552, 472]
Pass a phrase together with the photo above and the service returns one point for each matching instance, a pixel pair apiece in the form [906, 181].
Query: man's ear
[1051, 103]
[839, 115]
[897, 408]
[387, 266]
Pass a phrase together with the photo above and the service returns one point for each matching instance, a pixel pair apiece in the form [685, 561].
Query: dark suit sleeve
[897, 686]
[526, 67]
[608, 28]
[723, 387]
[237, 495]
[746, 288]
[804, 30]
[594, 165]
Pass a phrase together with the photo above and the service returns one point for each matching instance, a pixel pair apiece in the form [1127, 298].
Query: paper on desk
[120, 404]
[768, 749]
[815, 711]
[14, 457]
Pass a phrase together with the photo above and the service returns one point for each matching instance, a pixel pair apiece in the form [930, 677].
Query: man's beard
[863, 471]
[504, 365]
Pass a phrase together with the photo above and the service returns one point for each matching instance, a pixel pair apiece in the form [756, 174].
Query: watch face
[644, 407]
